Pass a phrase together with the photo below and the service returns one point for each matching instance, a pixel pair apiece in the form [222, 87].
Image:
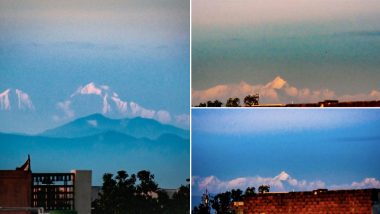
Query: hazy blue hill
[97, 124]
[141, 127]
[86, 126]
[108, 138]
[167, 156]
[11, 139]
[174, 142]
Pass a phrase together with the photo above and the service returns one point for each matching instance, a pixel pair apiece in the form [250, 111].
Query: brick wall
[318, 201]
[15, 189]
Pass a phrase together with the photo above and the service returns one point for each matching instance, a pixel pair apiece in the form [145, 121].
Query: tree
[251, 100]
[201, 209]
[250, 191]
[138, 195]
[107, 196]
[124, 191]
[236, 195]
[215, 103]
[147, 184]
[233, 102]
[221, 203]
[264, 188]
[180, 200]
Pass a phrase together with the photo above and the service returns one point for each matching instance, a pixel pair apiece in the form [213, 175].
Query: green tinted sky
[310, 44]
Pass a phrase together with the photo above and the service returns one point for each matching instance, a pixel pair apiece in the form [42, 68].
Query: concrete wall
[82, 191]
[340, 201]
[15, 189]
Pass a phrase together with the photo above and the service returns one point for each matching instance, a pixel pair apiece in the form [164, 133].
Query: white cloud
[366, 183]
[4, 100]
[163, 116]
[182, 119]
[105, 87]
[282, 182]
[373, 95]
[112, 101]
[269, 92]
[139, 111]
[93, 123]
[147, 113]
[90, 88]
[65, 106]
[56, 118]
[275, 91]
[23, 100]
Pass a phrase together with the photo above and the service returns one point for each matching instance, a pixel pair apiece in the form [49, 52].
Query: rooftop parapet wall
[318, 201]
[334, 103]
[15, 189]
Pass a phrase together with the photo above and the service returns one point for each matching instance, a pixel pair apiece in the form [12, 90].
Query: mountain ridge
[137, 127]
[167, 155]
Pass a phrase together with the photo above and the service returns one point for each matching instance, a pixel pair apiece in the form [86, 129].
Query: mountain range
[106, 145]
[16, 98]
[97, 124]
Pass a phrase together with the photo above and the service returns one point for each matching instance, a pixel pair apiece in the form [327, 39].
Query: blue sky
[289, 149]
[138, 49]
[318, 48]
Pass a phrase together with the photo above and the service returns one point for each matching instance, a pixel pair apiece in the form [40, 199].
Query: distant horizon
[277, 91]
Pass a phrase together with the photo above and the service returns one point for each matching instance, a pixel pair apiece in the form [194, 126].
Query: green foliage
[138, 194]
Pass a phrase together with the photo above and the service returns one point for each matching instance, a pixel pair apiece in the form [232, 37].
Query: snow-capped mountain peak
[4, 100]
[103, 99]
[106, 94]
[16, 97]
